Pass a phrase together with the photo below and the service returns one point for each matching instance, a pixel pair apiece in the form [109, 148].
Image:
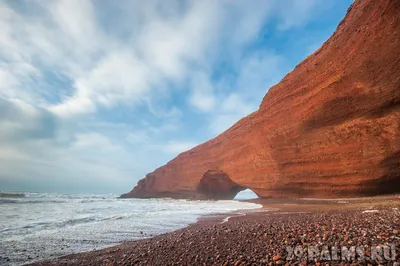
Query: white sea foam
[370, 211]
[226, 219]
[38, 226]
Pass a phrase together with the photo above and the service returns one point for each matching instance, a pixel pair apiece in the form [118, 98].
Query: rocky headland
[330, 128]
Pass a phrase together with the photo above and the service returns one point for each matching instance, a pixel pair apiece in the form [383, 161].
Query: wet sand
[261, 237]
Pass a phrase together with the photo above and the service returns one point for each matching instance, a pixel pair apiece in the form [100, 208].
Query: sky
[95, 94]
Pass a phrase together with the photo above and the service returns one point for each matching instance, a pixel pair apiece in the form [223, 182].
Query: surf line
[228, 217]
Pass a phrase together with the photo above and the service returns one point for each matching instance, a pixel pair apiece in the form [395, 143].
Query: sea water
[37, 226]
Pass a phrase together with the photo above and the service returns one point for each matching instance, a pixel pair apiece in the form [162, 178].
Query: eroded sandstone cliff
[330, 128]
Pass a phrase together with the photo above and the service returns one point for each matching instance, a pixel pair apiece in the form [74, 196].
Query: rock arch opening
[246, 194]
[216, 184]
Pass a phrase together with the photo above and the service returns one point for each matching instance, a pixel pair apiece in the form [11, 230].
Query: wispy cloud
[99, 91]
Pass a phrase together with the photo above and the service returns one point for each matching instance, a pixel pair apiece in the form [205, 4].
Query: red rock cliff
[330, 128]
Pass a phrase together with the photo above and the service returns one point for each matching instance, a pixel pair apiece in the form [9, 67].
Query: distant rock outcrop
[330, 128]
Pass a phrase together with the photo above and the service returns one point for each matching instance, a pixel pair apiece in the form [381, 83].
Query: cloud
[38, 146]
[296, 13]
[231, 110]
[202, 96]
[117, 78]
[93, 91]
[68, 37]
[19, 121]
[171, 147]
[176, 147]
[34, 150]
[256, 73]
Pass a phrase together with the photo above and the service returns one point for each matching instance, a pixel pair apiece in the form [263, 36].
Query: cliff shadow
[216, 184]
[389, 183]
[341, 109]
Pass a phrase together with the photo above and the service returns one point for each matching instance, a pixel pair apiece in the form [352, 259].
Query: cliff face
[330, 128]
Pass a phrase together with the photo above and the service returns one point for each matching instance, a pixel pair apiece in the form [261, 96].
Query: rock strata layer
[330, 128]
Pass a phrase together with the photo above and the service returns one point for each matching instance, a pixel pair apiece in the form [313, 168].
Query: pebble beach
[263, 237]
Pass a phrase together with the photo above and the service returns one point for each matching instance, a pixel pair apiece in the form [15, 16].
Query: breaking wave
[11, 195]
[51, 224]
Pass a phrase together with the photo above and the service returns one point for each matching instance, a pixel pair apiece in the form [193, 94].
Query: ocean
[38, 226]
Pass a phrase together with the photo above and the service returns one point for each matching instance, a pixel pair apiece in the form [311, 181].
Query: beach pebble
[254, 239]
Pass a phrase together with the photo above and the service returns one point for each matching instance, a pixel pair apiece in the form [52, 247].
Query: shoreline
[257, 236]
[314, 204]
